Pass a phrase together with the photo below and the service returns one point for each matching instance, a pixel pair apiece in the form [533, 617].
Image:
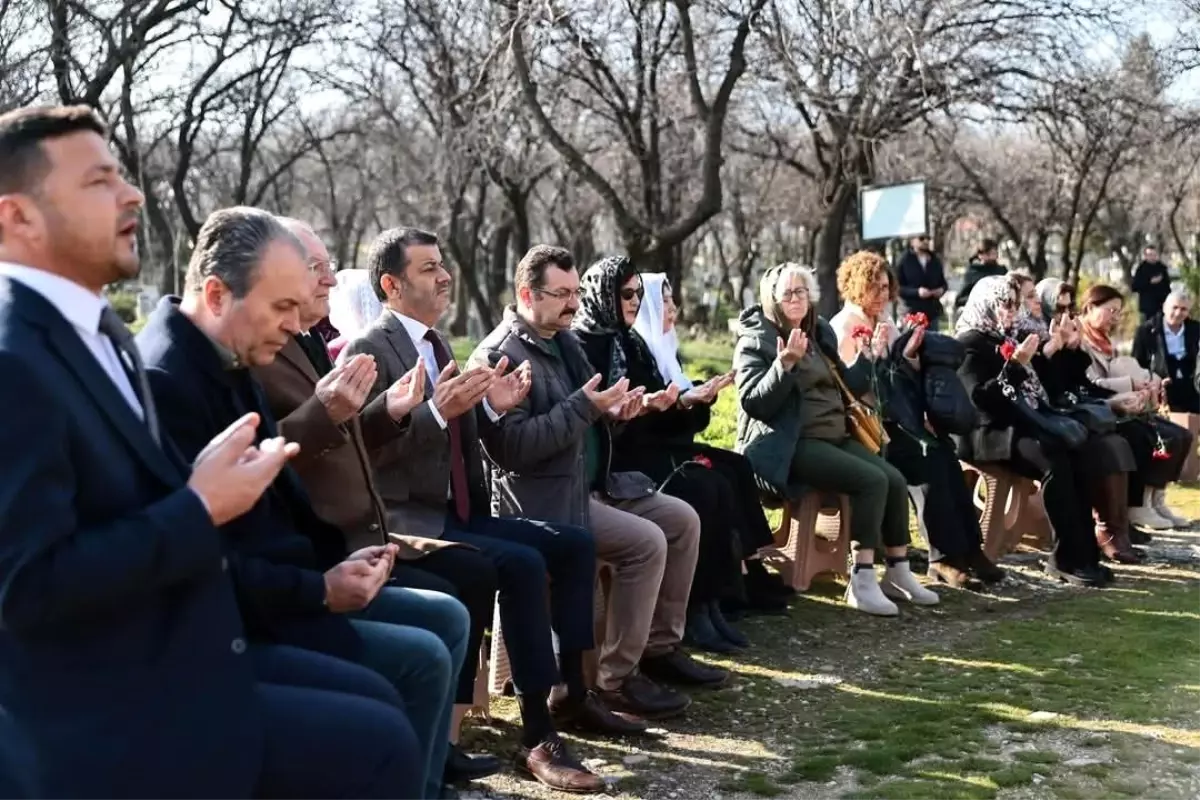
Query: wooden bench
[813, 537]
[1010, 509]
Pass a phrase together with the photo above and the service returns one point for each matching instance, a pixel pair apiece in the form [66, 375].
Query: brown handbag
[862, 420]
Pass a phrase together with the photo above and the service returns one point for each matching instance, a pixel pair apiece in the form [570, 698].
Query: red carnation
[1160, 455]
[1007, 349]
[703, 461]
[917, 319]
[861, 332]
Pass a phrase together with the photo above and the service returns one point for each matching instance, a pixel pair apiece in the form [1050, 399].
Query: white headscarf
[352, 303]
[649, 325]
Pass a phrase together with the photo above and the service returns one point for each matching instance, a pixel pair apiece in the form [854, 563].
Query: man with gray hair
[246, 283]
[1168, 344]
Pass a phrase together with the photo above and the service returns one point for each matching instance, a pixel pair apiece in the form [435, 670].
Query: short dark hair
[987, 246]
[231, 245]
[1100, 294]
[389, 254]
[23, 162]
[531, 269]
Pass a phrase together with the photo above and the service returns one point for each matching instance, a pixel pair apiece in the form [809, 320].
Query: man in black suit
[922, 280]
[122, 653]
[1151, 283]
[1168, 345]
[247, 280]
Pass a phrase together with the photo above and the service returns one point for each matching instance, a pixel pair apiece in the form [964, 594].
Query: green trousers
[878, 492]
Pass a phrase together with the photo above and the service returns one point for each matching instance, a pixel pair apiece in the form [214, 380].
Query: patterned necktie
[458, 464]
[131, 361]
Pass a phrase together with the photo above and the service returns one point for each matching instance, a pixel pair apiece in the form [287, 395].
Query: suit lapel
[96, 382]
[293, 355]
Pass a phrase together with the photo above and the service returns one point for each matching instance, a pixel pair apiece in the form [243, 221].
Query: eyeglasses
[629, 294]
[560, 294]
[792, 294]
[329, 267]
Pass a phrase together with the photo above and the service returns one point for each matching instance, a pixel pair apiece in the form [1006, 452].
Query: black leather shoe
[700, 633]
[724, 629]
[1077, 576]
[1139, 536]
[589, 715]
[461, 767]
[678, 667]
[984, 568]
[643, 698]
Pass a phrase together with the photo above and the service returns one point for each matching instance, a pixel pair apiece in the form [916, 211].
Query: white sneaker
[864, 594]
[1164, 510]
[900, 584]
[1147, 517]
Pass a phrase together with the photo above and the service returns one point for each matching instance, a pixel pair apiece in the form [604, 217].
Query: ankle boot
[864, 593]
[1111, 503]
[724, 629]
[1166, 512]
[699, 632]
[1145, 515]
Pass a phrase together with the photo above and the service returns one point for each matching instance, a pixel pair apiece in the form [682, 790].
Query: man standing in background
[1151, 283]
[922, 280]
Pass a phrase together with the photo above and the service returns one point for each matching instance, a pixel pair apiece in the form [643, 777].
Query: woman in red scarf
[1159, 446]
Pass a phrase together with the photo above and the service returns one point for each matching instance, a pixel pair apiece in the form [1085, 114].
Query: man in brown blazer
[438, 489]
[322, 406]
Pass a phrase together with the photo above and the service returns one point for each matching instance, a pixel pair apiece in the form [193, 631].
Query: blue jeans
[417, 639]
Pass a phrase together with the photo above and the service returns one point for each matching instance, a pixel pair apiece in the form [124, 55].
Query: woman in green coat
[792, 428]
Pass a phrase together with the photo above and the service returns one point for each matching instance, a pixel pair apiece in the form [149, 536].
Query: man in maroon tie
[432, 483]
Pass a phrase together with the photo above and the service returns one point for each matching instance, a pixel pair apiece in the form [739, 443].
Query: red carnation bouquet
[917, 319]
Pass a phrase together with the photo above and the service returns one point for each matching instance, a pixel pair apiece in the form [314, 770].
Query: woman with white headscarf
[353, 306]
[655, 324]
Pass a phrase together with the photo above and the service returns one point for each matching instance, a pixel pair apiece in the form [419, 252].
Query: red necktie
[458, 464]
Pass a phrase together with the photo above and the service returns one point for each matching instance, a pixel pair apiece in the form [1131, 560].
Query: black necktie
[318, 355]
[127, 353]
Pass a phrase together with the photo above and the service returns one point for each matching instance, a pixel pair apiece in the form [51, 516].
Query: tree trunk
[828, 248]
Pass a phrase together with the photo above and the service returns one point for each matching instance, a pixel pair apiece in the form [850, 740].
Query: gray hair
[231, 245]
[1178, 296]
[807, 275]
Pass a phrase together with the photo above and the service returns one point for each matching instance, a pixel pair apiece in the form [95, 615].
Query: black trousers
[470, 576]
[753, 530]
[948, 518]
[333, 729]
[1066, 495]
[718, 565]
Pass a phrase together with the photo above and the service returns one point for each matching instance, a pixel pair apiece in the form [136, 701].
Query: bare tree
[627, 69]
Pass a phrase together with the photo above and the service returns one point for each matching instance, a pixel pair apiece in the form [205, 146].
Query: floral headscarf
[600, 314]
[979, 314]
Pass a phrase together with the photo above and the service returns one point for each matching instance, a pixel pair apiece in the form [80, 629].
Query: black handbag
[1095, 415]
[1047, 424]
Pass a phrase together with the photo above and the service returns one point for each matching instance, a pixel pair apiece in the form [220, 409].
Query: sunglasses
[629, 294]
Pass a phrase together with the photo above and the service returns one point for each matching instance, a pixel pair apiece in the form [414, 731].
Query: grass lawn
[1033, 691]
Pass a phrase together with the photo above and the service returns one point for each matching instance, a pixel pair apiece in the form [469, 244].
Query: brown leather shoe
[589, 715]
[552, 764]
[948, 573]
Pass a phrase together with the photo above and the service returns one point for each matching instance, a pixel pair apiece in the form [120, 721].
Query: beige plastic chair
[813, 537]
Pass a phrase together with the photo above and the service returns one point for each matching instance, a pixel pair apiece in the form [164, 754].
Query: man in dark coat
[1151, 283]
[985, 264]
[922, 280]
[1168, 344]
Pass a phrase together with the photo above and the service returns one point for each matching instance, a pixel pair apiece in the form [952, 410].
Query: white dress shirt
[1176, 345]
[416, 331]
[82, 309]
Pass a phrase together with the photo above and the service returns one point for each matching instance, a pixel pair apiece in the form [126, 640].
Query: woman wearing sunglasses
[659, 442]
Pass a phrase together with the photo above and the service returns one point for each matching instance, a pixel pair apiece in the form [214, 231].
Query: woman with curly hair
[659, 444]
[923, 454]
[792, 427]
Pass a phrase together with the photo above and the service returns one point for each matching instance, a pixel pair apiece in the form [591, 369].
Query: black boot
[724, 629]
[699, 632]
